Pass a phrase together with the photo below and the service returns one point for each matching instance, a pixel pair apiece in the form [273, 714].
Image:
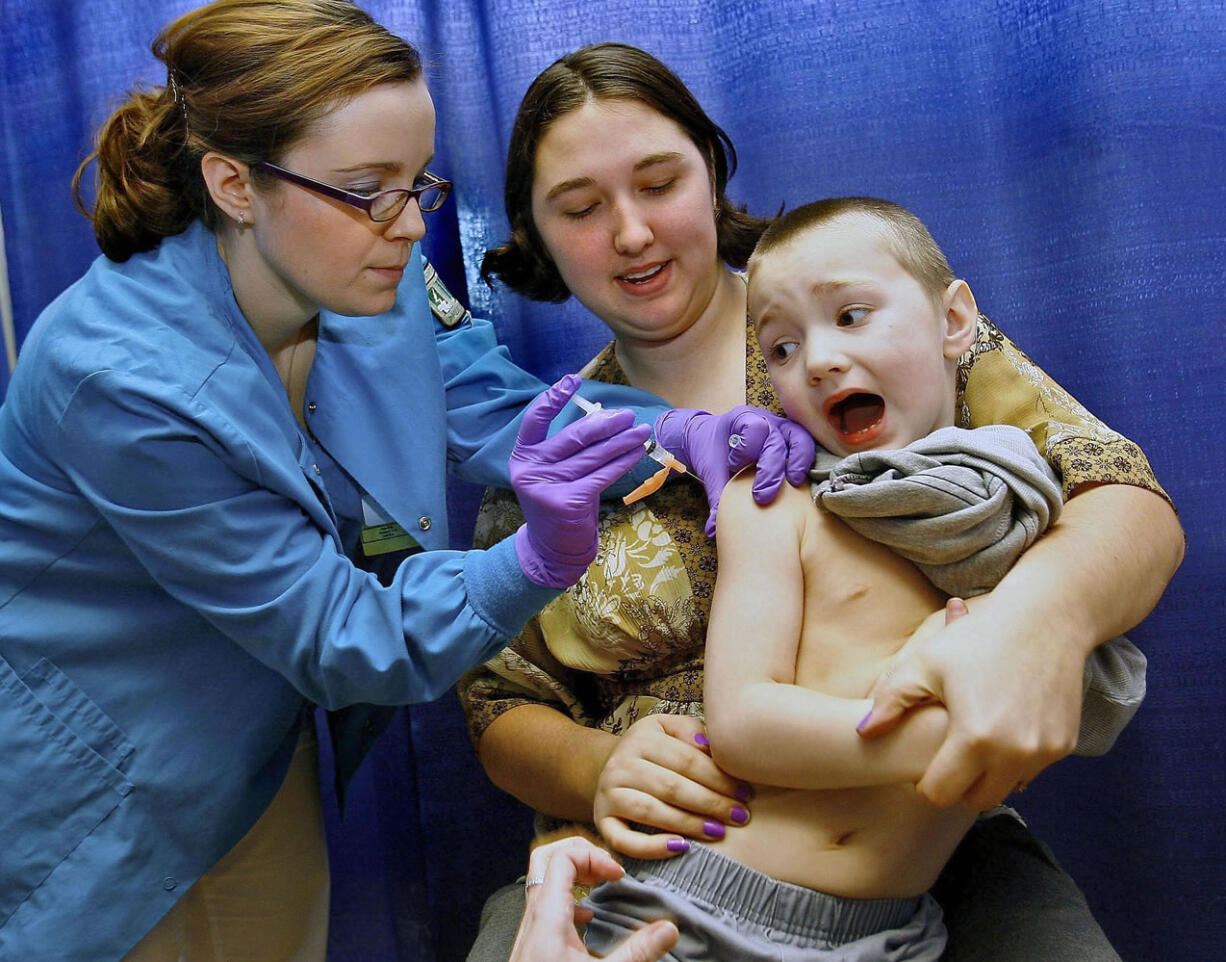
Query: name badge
[380, 533]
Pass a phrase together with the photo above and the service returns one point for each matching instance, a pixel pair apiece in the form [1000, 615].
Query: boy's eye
[851, 315]
[783, 350]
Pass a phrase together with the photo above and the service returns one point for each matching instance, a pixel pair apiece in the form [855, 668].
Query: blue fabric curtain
[1067, 155]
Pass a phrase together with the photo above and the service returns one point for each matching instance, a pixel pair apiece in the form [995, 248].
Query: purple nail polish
[713, 829]
[701, 739]
[678, 845]
[864, 721]
[739, 815]
[743, 792]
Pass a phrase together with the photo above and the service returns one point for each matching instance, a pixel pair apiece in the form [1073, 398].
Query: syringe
[589, 407]
[655, 451]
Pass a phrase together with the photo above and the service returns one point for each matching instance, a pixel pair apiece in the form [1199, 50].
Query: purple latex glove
[781, 448]
[558, 481]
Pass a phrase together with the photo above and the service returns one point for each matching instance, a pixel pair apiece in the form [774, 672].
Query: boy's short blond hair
[908, 239]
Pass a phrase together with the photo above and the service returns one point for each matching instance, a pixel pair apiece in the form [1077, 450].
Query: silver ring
[529, 882]
[735, 440]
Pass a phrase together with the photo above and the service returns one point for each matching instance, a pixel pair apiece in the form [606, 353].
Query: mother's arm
[1010, 673]
[655, 774]
[536, 739]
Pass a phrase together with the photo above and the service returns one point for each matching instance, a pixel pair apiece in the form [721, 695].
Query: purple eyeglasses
[430, 192]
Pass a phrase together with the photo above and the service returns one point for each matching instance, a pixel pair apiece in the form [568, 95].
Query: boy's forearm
[793, 737]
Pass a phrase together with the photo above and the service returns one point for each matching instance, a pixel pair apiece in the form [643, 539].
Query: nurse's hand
[558, 481]
[717, 446]
[660, 773]
[547, 931]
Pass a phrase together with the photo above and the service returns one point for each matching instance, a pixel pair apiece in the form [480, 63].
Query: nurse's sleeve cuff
[499, 591]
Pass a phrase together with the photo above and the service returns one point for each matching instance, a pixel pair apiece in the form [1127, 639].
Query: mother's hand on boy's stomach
[1014, 704]
[660, 774]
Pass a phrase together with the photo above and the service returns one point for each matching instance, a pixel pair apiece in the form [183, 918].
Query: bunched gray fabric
[963, 505]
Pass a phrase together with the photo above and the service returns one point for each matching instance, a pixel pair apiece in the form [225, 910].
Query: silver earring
[242, 219]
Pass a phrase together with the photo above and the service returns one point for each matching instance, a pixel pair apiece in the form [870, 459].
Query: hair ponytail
[148, 186]
[246, 78]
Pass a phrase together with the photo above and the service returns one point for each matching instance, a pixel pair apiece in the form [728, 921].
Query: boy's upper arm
[758, 607]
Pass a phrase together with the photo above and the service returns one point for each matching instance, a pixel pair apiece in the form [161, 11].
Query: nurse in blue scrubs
[222, 492]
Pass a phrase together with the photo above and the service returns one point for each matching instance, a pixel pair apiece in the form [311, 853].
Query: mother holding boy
[616, 183]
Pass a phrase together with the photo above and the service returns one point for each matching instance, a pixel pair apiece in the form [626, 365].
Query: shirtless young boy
[861, 323]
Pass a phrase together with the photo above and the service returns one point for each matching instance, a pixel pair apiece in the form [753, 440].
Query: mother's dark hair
[604, 71]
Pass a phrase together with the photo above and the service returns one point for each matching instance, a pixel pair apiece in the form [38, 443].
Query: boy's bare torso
[862, 602]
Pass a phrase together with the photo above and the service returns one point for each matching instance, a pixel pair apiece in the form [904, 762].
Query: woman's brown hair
[605, 71]
[246, 78]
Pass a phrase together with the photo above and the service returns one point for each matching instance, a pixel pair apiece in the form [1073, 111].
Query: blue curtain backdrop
[1068, 154]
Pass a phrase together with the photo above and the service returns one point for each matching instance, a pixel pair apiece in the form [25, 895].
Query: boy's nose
[823, 358]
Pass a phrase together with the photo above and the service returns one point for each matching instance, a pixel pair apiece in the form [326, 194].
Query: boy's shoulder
[740, 515]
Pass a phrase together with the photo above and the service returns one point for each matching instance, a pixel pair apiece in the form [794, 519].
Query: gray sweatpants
[726, 911]
[1006, 899]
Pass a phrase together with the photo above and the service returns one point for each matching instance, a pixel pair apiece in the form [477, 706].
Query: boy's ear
[961, 315]
[228, 182]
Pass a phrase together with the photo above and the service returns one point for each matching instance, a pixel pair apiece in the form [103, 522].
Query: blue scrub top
[175, 587]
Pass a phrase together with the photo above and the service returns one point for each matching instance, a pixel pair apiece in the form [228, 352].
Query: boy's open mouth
[856, 413]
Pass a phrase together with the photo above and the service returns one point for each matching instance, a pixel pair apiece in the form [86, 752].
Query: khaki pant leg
[266, 900]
